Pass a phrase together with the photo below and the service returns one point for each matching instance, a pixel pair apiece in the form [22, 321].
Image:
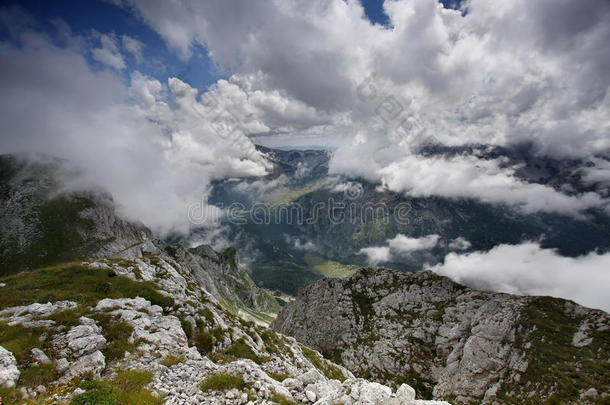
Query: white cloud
[133, 46]
[156, 160]
[296, 243]
[376, 254]
[399, 246]
[459, 243]
[403, 244]
[469, 177]
[527, 269]
[498, 75]
[109, 53]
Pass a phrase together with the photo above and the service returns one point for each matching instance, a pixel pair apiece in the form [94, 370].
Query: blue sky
[85, 16]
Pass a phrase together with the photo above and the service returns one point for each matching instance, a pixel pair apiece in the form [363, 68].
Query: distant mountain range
[284, 254]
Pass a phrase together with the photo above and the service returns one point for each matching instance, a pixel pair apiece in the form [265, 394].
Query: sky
[154, 100]
[188, 87]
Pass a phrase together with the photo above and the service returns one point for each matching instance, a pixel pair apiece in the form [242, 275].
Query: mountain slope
[452, 342]
[43, 223]
[139, 321]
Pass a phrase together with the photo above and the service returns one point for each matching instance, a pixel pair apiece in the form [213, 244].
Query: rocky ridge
[180, 336]
[452, 342]
[94, 309]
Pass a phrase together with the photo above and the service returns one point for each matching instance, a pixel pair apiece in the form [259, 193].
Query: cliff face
[452, 342]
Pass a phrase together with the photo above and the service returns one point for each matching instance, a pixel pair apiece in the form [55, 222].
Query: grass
[171, 360]
[204, 342]
[126, 388]
[275, 345]
[223, 382]
[20, 340]
[208, 315]
[241, 350]
[117, 335]
[36, 375]
[329, 268]
[278, 376]
[75, 282]
[282, 400]
[328, 369]
[557, 371]
[58, 237]
[238, 350]
[260, 316]
[10, 396]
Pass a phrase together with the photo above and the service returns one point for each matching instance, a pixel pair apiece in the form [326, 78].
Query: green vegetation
[282, 400]
[20, 340]
[10, 396]
[278, 376]
[275, 345]
[36, 375]
[288, 195]
[260, 316]
[557, 369]
[117, 335]
[204, 342]
[187, 326]
[58, 237]
[325, 367]
[75, 282]
[229, 256]
[329, 268]
[223, 382]
[240, 350]
[171, 360]
[209, 316]
[126, 388]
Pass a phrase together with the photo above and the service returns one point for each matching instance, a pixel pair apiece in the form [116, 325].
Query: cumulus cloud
[527, 269]
[469, 177]
[376, 254]
[397, 247]
[403, 244]
[133, 46]
[296, 243]
[109, 53]
[459, 243]
[502, 75]
[155, 146]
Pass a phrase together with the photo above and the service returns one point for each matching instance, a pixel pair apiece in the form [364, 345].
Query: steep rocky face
[452, 342]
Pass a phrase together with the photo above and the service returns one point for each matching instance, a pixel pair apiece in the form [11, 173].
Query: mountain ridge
[453, 342]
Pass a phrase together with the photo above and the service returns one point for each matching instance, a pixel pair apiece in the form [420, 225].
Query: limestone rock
[9, 374]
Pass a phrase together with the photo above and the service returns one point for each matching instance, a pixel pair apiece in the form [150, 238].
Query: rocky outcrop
[9, 373]
[184, 339]
[449, 341]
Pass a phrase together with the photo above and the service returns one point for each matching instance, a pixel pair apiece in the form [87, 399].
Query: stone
[91, 364]
[9, 373]
[39, 356]
[405, 393]
[311, 396]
